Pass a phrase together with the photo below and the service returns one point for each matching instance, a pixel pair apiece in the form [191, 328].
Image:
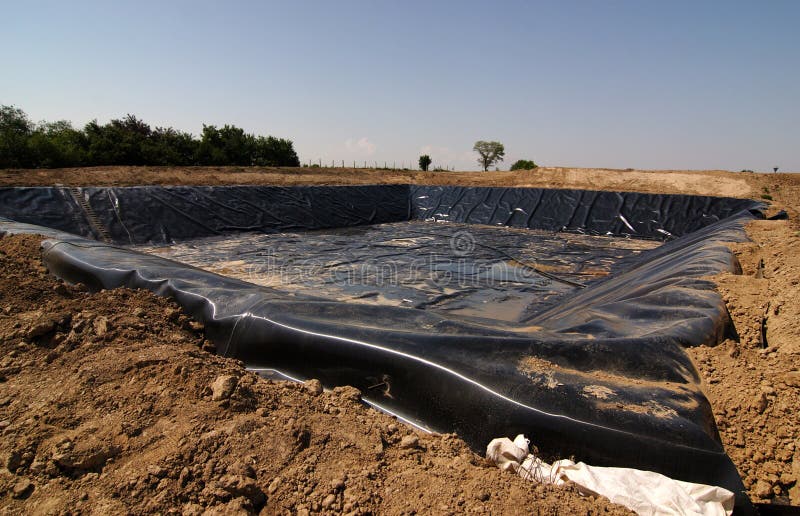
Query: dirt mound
[109, 403]
[754, 384]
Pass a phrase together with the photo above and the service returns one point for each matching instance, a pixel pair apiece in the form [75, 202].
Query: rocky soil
[111, 402]
[754, 384]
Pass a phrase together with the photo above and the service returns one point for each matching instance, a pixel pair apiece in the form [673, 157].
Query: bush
[424, 162]
[131, 141]
[524, 164]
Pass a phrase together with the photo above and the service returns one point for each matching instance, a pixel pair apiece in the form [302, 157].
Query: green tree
[15, 132]
[130, 141]
[120, 142]
[489, 152]
[425, 162]
[57, 144]
[228, 145]
[273, 152]
[168, 146]
[524, 164]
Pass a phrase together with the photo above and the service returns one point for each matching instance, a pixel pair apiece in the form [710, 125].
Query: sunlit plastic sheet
[601, 376]
[51, 207]
[654, 216]
[154, 214]
[488, 272]
[165, 214]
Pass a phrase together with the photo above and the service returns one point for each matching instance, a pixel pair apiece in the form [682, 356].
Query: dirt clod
[223, 387]
[314, 387]
[22, 488]
[409, 441]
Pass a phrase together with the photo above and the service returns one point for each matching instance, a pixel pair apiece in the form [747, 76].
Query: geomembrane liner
[569, 329]
[489, 272]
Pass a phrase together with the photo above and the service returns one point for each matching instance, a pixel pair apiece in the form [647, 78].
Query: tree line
[131, 141]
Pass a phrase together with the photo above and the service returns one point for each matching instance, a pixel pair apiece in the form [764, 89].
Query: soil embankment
[716, 182]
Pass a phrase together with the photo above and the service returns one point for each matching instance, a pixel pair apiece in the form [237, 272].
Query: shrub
[524, 164]
[424, 162]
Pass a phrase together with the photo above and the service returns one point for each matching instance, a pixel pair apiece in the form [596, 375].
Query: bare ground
[716, 182]
[754, 384]
[110, 404]
[84, 390]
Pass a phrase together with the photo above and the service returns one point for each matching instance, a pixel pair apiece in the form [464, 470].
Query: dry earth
[754, 384]
[716, 182]
[111, 403]
[112, 407]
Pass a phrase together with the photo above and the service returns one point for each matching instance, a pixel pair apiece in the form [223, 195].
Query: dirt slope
[110, 404]
[754, 384]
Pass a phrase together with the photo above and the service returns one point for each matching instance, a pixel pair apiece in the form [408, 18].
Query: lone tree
[425, 162]
[490, 153]
[524, 164]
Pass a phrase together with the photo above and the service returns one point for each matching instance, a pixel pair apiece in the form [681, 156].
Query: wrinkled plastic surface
[51, 207]
[601, 375]
[156, 214]
[148, 214]
[655, 216]
[493, 273]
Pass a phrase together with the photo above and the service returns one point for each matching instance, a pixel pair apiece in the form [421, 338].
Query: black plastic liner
[51, 207]
[601, 376]
[488, 272]
[155, 214]
[148, 214]
[653, 216]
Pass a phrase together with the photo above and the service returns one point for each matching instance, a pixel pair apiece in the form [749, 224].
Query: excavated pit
[559, 314]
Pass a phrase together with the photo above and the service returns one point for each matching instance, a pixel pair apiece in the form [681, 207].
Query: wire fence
[375, 164]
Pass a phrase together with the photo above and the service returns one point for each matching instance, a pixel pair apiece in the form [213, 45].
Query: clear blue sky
[645, 84]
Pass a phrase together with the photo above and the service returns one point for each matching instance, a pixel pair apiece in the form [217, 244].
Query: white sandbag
[644, 492]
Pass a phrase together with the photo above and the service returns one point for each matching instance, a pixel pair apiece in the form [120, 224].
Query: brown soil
[716, 182]
[754, 384]
[110, 403]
